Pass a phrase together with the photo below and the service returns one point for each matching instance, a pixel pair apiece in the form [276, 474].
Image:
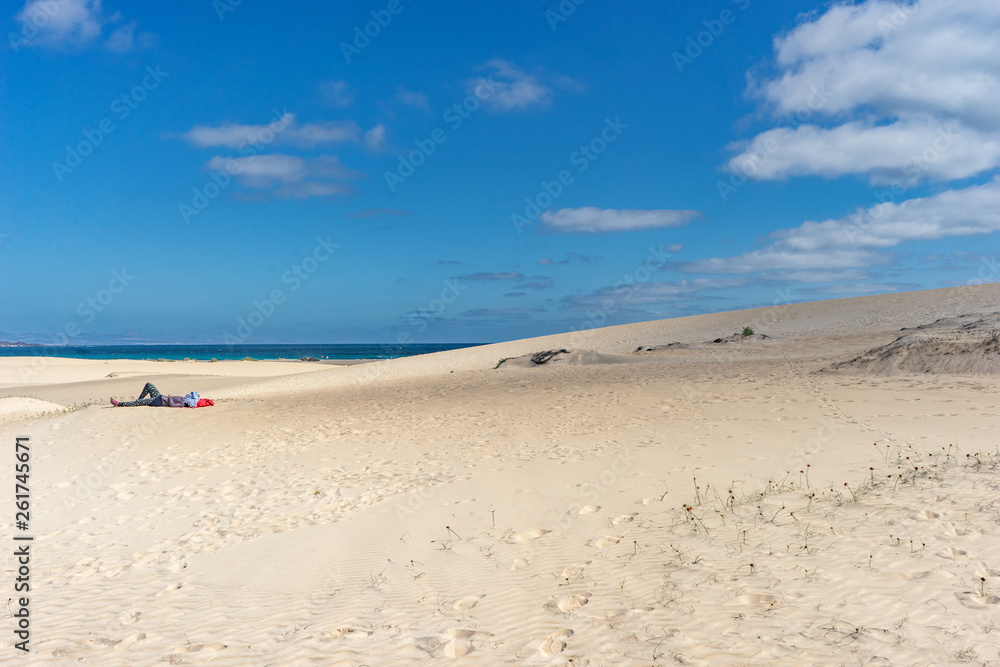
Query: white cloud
[261, 171]
[72, 24]
[336, 93]
[283, 130]
[904, 151]
[935, 56]
[589, 219]
[288, 175]
[311, 134]
[639, 294]
[312, 189]
[512, 88]
[375, 138]
[855, 241]
[232, 135]
[412, 98]
[860, 289]
[122, 39]
[875, 82]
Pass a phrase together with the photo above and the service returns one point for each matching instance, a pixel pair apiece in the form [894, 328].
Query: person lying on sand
[152, 397]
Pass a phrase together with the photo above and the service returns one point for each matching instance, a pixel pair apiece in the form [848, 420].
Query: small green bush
[747, 331]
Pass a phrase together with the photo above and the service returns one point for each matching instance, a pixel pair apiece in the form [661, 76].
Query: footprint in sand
[103, 641]
[574, 570]
[624, 518]
[589, 509]
[927, 515]
[555, 643]
[519, 564]
[955, 531]
[130, 617]
[529, 535]
[952, 553]
[169, 589]
[571, 604]
[457, 648]
[467, 603]
[651, 500]
[606, 542]
[975, 600]
[459, 642]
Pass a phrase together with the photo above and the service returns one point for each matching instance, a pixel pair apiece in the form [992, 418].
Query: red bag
[205, 403]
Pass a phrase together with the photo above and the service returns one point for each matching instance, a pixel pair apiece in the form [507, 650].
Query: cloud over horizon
[591, 220]
[855, 241]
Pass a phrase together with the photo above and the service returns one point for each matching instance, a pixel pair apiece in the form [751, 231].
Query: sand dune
[709, 503]
[966, 345]
[20, 407]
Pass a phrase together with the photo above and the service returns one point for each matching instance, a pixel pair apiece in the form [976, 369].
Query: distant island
[4, 343]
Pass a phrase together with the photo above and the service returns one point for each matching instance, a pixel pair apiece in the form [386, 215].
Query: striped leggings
[148, 391]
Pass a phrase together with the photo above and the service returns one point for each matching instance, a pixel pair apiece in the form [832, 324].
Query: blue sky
[484, 171]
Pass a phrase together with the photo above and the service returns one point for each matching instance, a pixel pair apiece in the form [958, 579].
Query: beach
[669, 492]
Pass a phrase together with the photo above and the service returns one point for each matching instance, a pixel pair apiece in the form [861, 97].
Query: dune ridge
[720, 503]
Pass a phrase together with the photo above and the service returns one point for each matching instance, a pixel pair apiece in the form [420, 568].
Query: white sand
[433, 510]
[14, 408]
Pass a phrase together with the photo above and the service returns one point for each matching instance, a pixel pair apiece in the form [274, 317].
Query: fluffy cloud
[412, 98]
[288, 176]
[855, 242]
[73, 24]
[905, 151]
[336, 93]
[594, 220]
[512, 88]
[375, 138]
[285, 129]
[875, 85]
